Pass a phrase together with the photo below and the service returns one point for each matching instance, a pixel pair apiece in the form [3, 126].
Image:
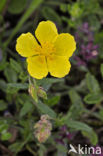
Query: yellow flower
[51, 54]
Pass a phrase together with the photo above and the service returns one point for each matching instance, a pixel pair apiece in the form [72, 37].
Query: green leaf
[10, 74]
[44, 109]
[61, 148]
[92, 136]
[13, 87]
[101, 113]
[3, 126]
[2, 4]
[28, 107]
[17, 6]
[15, 65]
[92, 83]
[63, 7]
[23, 76]
[16, 147]
[3, 105]
[77, 125]
[99, 41]
[50, 14]
[3, 64]
[75, 10]
[3, 85]
[101, 69]
[77, 106]
[52, 101]
[22, 98]
[94, 22]
[42, 149]
[6, 136]
[46, 83]
[74, 97]
[93, 98]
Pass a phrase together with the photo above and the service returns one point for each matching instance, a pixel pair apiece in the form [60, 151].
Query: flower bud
[41, 93]
[33, 92]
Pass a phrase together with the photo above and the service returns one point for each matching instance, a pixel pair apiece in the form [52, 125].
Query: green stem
[30, 150]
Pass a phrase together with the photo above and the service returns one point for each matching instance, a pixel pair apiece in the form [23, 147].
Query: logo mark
[85, 150]
[72, 149]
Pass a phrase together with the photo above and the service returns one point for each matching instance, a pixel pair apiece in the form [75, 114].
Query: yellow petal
[46, 31]
[58, 66]
[37, 67]
[65, 45]
[26, 44]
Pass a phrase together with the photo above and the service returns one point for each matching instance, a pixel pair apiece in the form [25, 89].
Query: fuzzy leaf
[15, 65]
[92, 136]
[28, 107]
[77, 125]
[92, 83]
[101, 68]
[93, 98]
[44, 109]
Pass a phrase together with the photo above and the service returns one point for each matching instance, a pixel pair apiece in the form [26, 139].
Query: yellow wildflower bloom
[51, 55]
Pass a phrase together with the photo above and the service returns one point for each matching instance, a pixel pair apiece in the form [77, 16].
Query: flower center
[46, 49]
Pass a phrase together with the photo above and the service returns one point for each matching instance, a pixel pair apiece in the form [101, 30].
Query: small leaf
[52, 101]
[44, 109]
[28, 107]
[15, 65]
[77, 106]
[3, 127]
[63, 7]
[93, 98]
[61, 149]
[3, 105]
[94, 23]
[75, 98]
[92, 136]
[14, 87]
[101, 113]
[22, 98]
[6, 136]
[10, 74]
[51, 14]
[75, 10]
[92, 83]
[101, 68]
[16, 147]
[23, 76]
[99, 41]
[46, 83]
[3, 85]
[77, 125]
